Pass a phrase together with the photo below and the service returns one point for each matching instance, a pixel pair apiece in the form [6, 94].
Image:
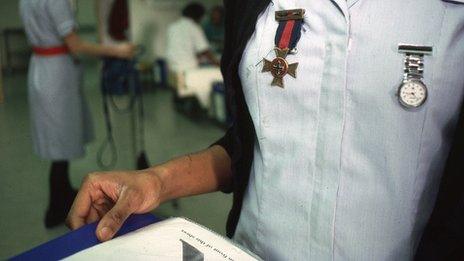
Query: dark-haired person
[338, 157]
[61, 124]
[214, 28]
[186, 47]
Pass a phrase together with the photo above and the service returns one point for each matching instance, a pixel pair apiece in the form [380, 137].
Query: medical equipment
[120, 77]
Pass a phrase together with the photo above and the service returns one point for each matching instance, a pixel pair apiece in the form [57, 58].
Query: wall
[9, 14]
[9, 18]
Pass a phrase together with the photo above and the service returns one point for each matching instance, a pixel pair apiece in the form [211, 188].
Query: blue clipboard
[80, 239]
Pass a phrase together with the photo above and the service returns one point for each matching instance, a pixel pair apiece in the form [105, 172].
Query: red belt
[50, 51]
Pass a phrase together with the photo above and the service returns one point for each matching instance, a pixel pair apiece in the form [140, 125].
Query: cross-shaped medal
[279, 67]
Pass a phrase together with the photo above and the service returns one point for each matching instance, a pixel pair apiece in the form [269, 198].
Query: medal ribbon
[288, 33]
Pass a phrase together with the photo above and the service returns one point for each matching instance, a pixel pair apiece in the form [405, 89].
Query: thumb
[115, 217]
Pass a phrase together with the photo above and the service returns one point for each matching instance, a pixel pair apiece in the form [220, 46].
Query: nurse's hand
[124, 50]
[112, 197]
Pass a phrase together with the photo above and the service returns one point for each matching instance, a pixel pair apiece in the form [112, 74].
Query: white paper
[172, 239]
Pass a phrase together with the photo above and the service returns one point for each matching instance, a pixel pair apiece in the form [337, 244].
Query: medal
[279, 67]
[412, 92]
[287, 36]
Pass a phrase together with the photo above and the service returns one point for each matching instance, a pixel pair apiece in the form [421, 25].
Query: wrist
[159, 176]
[112, 51]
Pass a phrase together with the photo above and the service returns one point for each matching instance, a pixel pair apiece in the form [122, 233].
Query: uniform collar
[342, 6]
[345, 5]
[351, 3]
[188, 19]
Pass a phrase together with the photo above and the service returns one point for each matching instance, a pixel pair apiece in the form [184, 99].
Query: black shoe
[142, 161]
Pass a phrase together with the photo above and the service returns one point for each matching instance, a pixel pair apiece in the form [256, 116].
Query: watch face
[412, 93]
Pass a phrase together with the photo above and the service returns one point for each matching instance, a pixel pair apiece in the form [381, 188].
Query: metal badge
[294, 14]
[412, 93]
[279, 67]
[288, 34]
[415, 49]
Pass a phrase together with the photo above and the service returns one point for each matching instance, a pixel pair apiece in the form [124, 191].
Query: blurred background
[175, 123]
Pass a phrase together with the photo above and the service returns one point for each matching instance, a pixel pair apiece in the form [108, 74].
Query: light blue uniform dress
[60, 119]
[341, 170]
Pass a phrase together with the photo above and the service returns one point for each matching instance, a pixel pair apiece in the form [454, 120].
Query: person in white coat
[186, 47]
[60, 120]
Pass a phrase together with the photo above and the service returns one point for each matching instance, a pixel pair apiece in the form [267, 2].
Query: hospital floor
[24, 176]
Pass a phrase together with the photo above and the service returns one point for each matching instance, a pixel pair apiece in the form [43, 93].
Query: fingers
[114, 218]
[103, 208]
[80, 209]
[133, 50]
[93, 216]
[126, 50]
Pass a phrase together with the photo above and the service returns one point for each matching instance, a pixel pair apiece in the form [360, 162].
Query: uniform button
[249, 70]
[265, 121]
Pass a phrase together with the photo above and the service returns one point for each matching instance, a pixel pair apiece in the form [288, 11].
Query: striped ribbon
[288, 34]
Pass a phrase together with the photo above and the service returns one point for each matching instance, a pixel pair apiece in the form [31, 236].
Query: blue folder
[81, 239]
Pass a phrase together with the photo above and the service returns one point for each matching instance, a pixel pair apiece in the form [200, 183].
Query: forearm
[93, 49]
[194, 174]
[77, 46]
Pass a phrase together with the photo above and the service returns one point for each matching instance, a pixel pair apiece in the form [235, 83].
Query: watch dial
[412, 94]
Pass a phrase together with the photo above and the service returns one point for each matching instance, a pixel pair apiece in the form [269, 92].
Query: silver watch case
[403, 103]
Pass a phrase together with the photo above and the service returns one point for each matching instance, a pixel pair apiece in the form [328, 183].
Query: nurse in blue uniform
[60, 119]
[345, 113]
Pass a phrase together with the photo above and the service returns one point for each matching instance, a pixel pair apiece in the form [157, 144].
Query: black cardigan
[240, 21]
[447, 221]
